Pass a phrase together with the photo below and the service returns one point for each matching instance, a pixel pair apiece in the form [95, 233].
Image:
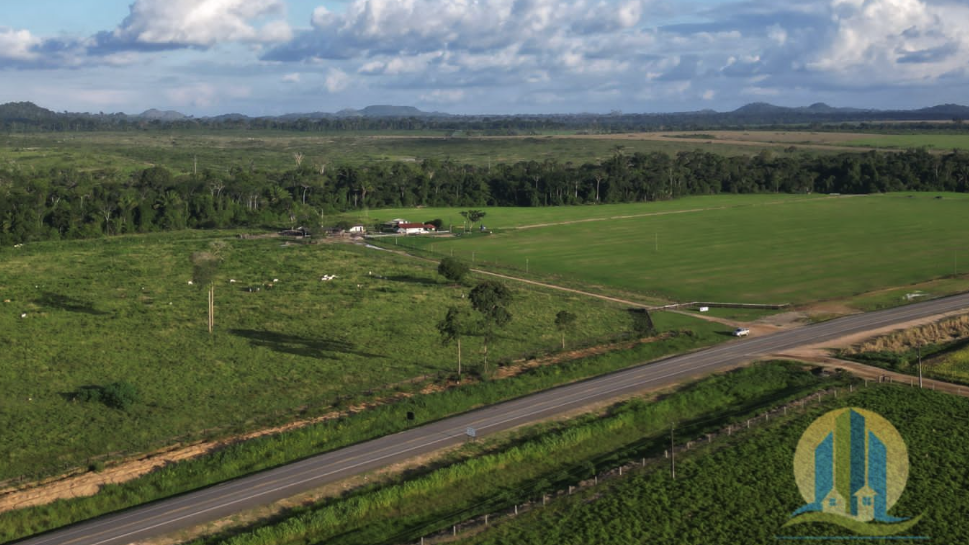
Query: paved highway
[171, 515]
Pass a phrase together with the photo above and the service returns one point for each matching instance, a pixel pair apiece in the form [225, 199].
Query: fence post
[516, 508]
[570, 490]
[486, 519]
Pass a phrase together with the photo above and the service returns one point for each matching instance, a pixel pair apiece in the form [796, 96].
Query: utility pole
[672, 454]
[920, 366]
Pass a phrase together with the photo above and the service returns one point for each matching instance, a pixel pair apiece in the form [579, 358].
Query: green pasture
[273, 150]
[798, 252]
[247, 457]
[121, 309]
[743, 489]
[508, 217]
[945, 142]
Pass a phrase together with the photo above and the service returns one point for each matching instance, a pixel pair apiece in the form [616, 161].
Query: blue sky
[259, 57]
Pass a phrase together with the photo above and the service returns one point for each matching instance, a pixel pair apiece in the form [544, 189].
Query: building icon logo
[851, 466]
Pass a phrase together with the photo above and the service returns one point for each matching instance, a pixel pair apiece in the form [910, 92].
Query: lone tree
[453, 269]
[490, 298]
[457, 323]
[474, 216]
[205, 267]
[642, 322]
[565, 322]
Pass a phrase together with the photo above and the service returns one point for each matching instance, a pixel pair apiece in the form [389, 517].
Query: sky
[269, 57]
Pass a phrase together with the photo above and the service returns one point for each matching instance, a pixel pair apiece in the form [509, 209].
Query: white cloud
[760, 91]
[292, 78]
[709, 94]
[444, 96]
[895, 40]
[777, 33]
[336, 80]
[203, 23]
[18, 44]
[205, 95]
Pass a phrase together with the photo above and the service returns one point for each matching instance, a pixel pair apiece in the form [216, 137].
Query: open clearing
[101, 311]
[798, 252]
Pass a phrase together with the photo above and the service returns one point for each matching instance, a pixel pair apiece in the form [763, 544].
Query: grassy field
[953, 367]
[746, 492]
[245, 457]
[507, 217]
[798, 252]
[944, 142]
[545, 458]
[219, 151]
[120, 309]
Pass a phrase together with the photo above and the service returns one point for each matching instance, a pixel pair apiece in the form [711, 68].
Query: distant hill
[947, 110]
[24, 111]
[764, 108]
[169, 115]
[397, 111]
[381, 116]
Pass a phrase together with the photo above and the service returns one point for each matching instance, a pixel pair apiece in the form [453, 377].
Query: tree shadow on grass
[413, 280]
[300, 346]
[70, 304]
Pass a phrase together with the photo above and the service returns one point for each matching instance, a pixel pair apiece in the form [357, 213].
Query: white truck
[741, 332]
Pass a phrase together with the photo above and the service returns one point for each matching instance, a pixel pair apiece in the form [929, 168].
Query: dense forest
[66, 203]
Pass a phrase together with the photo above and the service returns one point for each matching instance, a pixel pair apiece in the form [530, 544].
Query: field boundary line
[670, 212]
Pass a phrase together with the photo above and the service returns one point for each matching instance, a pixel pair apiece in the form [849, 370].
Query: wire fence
[542, 498]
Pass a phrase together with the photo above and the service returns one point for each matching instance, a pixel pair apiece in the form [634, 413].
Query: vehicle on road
[741, 332]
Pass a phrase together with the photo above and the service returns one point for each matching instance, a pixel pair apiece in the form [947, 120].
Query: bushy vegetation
[744, 493]
[941, 346]
[117, 395]
[496, 475]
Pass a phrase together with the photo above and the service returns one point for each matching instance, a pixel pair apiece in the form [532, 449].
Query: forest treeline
[67, 203]
[26, 117]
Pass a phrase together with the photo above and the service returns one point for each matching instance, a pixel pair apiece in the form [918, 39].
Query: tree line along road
[181, 512]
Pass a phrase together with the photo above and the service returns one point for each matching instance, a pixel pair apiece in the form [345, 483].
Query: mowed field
[525, 218]
[100, 311]
[797, 252]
